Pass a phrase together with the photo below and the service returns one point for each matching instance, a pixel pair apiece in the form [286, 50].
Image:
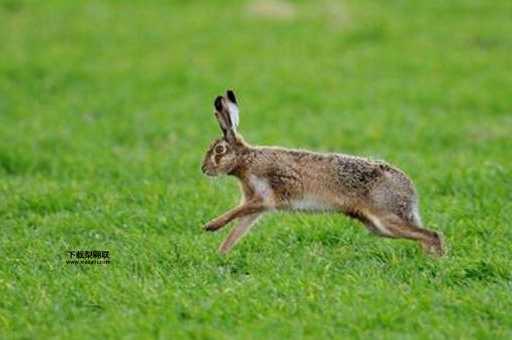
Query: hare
[382, 197]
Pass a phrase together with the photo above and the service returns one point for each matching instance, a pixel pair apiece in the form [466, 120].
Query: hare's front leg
[245, 209]
[238, 232]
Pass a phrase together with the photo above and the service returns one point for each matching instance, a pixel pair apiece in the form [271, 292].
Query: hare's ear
[231, 96]
[224, 119]
[232, 106]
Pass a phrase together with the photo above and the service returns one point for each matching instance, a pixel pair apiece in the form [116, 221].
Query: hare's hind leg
[394, 226]
[373, 225]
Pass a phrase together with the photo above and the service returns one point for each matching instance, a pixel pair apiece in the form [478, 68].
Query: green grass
[106, 110]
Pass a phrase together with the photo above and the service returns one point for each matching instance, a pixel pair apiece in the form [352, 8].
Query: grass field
[106, 111]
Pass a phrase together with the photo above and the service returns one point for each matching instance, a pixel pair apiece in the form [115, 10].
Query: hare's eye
[220, 149]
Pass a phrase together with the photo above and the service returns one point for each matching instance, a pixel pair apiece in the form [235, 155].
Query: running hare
[273, 178]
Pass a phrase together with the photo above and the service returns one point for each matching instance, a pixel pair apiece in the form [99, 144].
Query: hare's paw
[213, 226]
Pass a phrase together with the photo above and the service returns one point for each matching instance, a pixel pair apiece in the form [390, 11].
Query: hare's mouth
[207, 172]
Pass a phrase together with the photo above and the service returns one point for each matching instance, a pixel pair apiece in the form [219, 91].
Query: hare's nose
[203, 168]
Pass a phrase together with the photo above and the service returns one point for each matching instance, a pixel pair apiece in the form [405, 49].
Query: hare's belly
[312, 203]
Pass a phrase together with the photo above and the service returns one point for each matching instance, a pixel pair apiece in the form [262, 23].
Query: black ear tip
[231, 95]
[218, 103]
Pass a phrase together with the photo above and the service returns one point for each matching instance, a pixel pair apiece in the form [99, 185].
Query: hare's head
[223, 153]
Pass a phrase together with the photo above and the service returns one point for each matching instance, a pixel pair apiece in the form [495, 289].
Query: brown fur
[382, 197]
